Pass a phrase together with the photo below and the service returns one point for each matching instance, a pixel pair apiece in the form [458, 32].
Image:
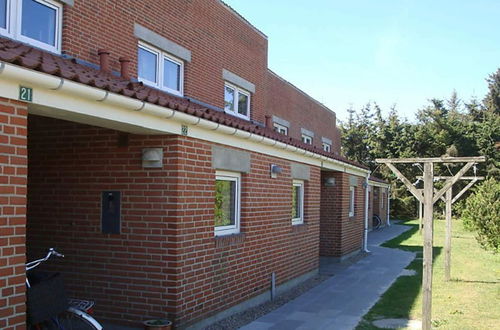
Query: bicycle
[376, 222]
[48, 306]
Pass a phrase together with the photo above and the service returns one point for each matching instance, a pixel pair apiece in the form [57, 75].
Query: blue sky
[401, 52]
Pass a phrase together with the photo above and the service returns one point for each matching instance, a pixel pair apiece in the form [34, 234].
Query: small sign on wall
[184, 130]
[26, 94]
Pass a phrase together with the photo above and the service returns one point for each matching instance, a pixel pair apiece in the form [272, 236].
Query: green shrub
[482, 214]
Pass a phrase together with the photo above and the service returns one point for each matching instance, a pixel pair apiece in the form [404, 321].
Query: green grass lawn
[471, 300]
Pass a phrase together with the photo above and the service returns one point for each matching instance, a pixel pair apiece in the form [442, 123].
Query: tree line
[451, 127]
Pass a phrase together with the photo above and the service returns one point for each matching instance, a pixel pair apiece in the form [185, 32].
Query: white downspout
[388, 206]
[367, 200]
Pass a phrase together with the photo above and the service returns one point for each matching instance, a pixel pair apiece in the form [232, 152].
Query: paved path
[339, 302]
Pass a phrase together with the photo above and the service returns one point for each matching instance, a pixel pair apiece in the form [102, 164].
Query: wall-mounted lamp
[275, 170]
[330, 182]
[365, 185]
[152, 158]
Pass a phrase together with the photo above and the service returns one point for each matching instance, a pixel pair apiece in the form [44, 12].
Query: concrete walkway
[341, 301]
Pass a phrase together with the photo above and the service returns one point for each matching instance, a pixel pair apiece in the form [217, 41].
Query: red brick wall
[339, 233]
[216, 37]
[235, 268]
[70, 164]
[287, 102]
[166, 260]
[13, 169]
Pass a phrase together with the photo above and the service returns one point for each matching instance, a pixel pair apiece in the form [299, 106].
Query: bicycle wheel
[376, 221]
[72, 320]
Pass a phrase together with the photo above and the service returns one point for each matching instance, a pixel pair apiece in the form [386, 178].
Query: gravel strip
[243, 318]
[238, 320]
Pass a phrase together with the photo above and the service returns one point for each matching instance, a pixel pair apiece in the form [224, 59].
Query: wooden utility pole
[428, 197]
[449, 200]
[420, 216]
[428, 244]
[447, 240]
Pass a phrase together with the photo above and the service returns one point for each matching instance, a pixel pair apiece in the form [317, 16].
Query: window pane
[242, 104]
[228, 98]
[147, 65]
[225, 206]
[39, 22]
[3, 14]
[171, 75]
[296, 202]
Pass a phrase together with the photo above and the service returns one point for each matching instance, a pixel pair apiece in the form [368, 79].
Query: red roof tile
[33, 58]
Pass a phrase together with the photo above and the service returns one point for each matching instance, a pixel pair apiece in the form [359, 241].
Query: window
[36, 22]
[3, 15]
[236, 100]
[159, 69]
[298, 202]
[327, 147]
[227, 203]
[382, 199]
[352, 197]
[280, 129]
[307, 139]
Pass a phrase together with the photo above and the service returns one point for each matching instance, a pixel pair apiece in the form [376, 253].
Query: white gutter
[367, 200]
[388, 206]
[379, 184]
[14, 73]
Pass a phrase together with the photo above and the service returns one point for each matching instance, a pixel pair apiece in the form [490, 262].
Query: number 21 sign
[26, 94]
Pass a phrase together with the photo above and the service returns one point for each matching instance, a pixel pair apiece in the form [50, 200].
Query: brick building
[122, 122]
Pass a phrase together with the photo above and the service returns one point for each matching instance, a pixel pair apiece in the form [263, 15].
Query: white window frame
[382, 200]
[327, 147]
[280, 128]
[237, 90]
[14, 21]
[307, 139]
[352, 200]
[231, 229]
[160, 57]
[299, 220]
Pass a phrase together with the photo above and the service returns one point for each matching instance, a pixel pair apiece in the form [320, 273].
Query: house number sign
[25, 94]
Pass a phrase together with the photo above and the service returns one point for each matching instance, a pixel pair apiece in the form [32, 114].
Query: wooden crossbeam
[430, 160]
[417, 193]
[442, 197]
[435, 191]
[464, 190]
[449, 177]
[452, 181]
[473, 179]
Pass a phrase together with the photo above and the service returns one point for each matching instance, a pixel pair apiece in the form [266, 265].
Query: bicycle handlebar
[35, 263]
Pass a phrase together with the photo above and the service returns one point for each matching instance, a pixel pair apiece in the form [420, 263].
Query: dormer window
[327, 144]
[307, 136]
[307, 139]
[237, 91]
[160, 69]
[35, 22]
[237, 101]
[280, 129]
